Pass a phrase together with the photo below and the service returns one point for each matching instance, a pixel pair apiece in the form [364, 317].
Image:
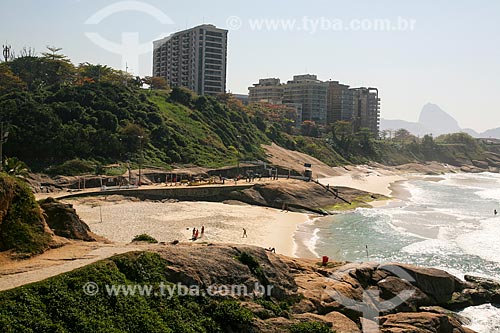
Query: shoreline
[389, 185]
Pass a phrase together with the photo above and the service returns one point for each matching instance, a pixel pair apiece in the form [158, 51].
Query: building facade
[361, 106]
[336, 91]
[322, 102]
[195, 59]
[311, 93]
[267, 90]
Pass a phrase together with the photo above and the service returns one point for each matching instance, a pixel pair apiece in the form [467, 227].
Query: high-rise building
[362, 107]
[322, 102]
[311, 93]
[267, 90]
[194, 58]
[336, 91]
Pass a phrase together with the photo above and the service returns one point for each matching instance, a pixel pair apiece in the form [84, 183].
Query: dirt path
[15, 273]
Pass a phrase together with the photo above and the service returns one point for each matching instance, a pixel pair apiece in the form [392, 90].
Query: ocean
[446, 222]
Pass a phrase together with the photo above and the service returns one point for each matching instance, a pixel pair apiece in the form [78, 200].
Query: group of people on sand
[198, 233]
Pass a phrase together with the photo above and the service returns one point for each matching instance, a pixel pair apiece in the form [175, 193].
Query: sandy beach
[124, 218]
[367, 179]
[169, 221]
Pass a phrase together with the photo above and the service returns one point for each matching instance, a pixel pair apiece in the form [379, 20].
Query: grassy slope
[59, 304]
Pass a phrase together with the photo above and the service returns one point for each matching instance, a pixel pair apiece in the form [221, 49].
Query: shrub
[254, 267]
[144, 238]
[310, 327]
[73, 167]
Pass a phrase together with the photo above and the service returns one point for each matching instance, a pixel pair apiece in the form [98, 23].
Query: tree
[183, 96]
[428, 142]
[309, 128]
[58, 68]
[342, 135]
[133, 136]
[363, 137]
[156, 82]
[402, 135]
[94, 72]
[53, 55]
[159, 83]
[8, 81]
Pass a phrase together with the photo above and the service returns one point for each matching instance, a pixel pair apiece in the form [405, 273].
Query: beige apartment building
[195, 59]
[267, 90]
[311, 93]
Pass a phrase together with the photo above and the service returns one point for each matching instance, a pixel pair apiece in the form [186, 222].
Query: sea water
[447, 223]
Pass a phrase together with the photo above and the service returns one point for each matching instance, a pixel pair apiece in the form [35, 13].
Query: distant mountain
[440, 122]
[434, 120]
[491, 133]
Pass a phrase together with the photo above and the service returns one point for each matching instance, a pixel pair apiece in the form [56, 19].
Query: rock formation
[64, 221]
[403, 298]
[22, 225]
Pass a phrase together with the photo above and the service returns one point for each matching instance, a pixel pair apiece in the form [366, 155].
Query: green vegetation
[72, 168]
[254, 266]
[310, 327]
[144, 238]
[60, 304]
[281, 309]
[67, 119]
[22, 226]
[57, 112]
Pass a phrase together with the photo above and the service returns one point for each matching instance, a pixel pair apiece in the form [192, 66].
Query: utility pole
[140, 159]
[3, 138]
[6, 52]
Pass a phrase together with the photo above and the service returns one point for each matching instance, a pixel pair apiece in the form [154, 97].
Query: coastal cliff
[302, 293]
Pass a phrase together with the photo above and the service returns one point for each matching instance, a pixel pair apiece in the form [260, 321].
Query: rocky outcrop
[64, 221]
[299, 195]
[480, 164]
[420, 322]
[348, 297]
[476, 291]
[22, 225]
[219, 265]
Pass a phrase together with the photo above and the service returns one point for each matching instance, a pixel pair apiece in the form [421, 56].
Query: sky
[414, 52]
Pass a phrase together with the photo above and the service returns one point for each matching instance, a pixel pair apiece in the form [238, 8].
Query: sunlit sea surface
[448, 224]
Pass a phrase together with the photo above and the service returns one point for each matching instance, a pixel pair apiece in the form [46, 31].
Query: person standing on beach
[202, 230]
[495, 212]
[244, 233]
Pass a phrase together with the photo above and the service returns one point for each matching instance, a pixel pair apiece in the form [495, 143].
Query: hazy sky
[451, 57]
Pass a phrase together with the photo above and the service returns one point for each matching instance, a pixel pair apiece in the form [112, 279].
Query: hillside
[69, 120]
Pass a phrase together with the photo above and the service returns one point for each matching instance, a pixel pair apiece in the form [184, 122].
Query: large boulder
[477, 291]
[247, 266]
[437, 284]
[420, 322]
[480, 164]
[64, 221]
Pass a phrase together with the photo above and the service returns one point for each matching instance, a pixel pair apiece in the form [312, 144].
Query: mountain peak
[436, 119]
